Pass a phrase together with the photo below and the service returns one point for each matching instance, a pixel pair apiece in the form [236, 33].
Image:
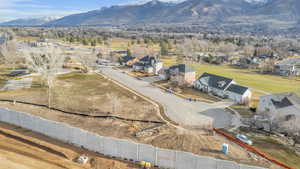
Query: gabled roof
[147, 59]
[235, 88]
[182, 68]
[127, 58]
[139, 64]
[216, 81]
[283, 100]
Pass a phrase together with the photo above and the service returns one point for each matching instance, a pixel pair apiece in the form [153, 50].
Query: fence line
[82, 114]
[118, 148]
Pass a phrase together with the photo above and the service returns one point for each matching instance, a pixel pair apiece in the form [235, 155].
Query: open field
[87, 93]
[252, 79]
[120, 44]
[23, 149]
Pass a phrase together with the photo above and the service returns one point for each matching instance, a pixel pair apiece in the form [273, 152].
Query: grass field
[261, 82]
[28, 38]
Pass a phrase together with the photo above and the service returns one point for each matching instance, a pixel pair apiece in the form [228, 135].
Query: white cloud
[15, 9]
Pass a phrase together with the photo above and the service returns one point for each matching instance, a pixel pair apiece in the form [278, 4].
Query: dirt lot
[23, 149]
[88, 94]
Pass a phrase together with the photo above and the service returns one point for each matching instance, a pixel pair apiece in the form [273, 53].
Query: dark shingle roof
[147, 59]
[139, 64]
[182, 68]
[127, 58]
[216, 81]
[235, 88]
[285, 102]
[18, 73]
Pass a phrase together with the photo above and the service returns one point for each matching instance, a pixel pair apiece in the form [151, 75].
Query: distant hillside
[230, 14]
[28, 22]
[239, 13]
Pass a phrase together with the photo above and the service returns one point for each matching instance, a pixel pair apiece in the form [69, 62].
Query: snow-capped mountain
[29, 21]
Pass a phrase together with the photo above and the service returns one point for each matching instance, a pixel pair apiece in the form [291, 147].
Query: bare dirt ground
[23, 149]
[88, 94]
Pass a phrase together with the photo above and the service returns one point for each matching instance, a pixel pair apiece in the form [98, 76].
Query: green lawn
[264, 82]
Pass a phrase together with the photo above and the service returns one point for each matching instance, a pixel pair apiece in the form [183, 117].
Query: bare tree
[267, 66]
[292, 127]
[248, 50]
[88, 61]
[8, 49]
[115, 102]
[227, 48]
[47, 62]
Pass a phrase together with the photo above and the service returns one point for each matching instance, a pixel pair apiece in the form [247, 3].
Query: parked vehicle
[244, 139]
[82, 159]
[169, 91]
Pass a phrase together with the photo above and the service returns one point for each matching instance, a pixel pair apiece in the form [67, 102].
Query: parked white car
[82, 159]
[244, 139]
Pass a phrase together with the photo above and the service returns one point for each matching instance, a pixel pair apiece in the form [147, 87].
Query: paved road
[177, 109]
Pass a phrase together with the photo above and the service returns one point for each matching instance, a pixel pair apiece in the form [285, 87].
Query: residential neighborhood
[150, 84]
[288, 67]
[148, 64]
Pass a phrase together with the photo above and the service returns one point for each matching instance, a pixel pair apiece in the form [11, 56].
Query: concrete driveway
[194, 114]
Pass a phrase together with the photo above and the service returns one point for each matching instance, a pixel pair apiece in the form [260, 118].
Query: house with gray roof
[181, 74]
[279, 105]
[223, 87]
[239, 94]
[288, 67]
[148, 64]
[214, 84]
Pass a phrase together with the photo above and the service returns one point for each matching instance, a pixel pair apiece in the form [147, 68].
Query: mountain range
[280, 14]
[29, 21]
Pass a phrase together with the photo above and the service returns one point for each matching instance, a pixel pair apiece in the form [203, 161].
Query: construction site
[141, 122]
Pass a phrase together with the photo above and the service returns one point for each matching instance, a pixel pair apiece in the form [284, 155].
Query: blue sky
[13, 9]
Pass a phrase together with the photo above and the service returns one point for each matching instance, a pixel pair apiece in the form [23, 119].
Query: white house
[223, 87]
[288, 67]
[214, 84]
[239, 94]
[148, 64]
[279, 105]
